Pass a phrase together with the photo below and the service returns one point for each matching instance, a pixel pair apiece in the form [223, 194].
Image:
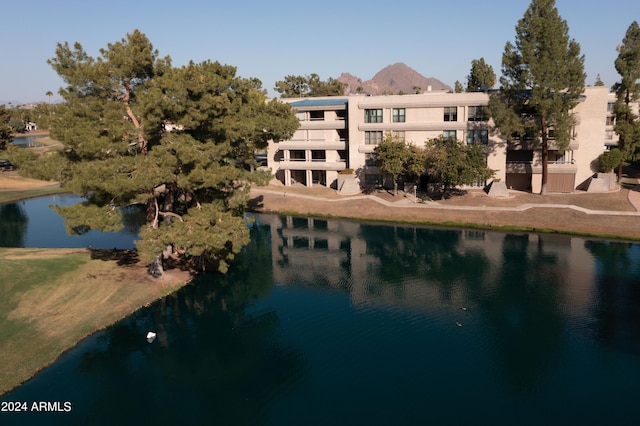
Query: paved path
[634, 198]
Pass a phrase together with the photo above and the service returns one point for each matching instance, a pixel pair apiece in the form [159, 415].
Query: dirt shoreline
[609, 216]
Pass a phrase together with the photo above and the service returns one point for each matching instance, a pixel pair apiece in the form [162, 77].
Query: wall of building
[342, 134]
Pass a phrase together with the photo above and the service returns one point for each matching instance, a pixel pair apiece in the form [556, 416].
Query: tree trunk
[169, 201]
[155, 269]
[545, 155]
[545, 166]
[620, 172]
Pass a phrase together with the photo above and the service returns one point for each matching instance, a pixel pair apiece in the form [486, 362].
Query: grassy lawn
[52, 298]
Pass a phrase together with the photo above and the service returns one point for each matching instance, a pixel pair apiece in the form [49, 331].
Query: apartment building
[338, 133]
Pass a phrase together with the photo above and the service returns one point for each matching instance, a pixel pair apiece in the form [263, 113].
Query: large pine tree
[628, 91]
[179, 141]
[542, 80]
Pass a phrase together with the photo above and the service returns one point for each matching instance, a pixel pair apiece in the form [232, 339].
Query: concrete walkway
[634, 199]
[634, 196]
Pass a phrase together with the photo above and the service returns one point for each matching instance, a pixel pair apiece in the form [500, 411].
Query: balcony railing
[313, 164]
[528, 167]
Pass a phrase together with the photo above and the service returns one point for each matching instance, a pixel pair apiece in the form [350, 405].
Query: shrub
[610, 160]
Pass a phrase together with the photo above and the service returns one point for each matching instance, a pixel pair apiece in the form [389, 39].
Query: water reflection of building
[338, 254]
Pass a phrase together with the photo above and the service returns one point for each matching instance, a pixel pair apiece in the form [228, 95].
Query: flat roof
[319, 103]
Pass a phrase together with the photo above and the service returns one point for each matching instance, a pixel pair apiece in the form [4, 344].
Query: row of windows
[476, 113]
[475, 136]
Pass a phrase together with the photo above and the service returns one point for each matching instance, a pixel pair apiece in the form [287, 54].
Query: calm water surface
[323, 322]
[26, 141]
[32, 223]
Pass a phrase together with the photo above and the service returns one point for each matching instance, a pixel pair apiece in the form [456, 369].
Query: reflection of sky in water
[25, 141]
[45, 228]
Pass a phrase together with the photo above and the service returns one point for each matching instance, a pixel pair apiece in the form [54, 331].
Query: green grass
[22, 345]
[50, 299]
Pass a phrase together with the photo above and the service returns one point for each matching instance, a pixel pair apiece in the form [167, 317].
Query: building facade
[341, 133]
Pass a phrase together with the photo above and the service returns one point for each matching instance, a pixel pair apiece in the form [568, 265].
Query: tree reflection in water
[618, 287]
[13, 225]
[211, 355]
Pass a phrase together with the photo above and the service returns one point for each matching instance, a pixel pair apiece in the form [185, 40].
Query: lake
[26, 141]
[32, 223]
[328, 322]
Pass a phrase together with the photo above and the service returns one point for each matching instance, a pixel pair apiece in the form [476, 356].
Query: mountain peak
[391, 80]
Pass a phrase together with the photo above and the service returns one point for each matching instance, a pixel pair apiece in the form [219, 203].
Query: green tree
[599, 82]
[414, 163]
[398, 158]
[457, 87]
[5, 130]
[609, 160]
[330, 87]
[391, 155]
[294, 86]
[542, 80]
[627, 91]
[452, 162]
[481, 77]
[49, 94]
[193, 178]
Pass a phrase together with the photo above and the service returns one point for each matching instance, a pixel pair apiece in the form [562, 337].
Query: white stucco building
[338, 133]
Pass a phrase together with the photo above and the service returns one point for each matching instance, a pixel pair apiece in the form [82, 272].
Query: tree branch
[171, 214]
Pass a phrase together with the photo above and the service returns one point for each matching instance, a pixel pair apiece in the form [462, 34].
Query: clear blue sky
[271, 39]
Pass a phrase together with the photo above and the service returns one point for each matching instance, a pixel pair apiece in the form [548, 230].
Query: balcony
[323, 124]
[315, 164]
[527, 167]
[519, 167]
[313, 144]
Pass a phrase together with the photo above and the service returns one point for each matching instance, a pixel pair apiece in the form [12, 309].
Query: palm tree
[49, 94]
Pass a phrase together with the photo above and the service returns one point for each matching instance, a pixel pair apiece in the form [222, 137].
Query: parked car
[6, 166]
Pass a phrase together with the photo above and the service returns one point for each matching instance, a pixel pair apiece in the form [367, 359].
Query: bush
[610, 160]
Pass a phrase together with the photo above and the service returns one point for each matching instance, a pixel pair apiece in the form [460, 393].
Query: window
[608, 135]
[316, 115]
[450, 113]
[398, 135]
[398, 115]
[611, 120]
[450, 134]
[557, 157]
[371, 160]
[319, 155]
[477, 136]
[296, 155]
[372, 138]
[373, 115]
[478, 113]
[611, 106]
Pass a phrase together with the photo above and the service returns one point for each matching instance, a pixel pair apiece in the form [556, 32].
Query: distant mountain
[392, 80]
